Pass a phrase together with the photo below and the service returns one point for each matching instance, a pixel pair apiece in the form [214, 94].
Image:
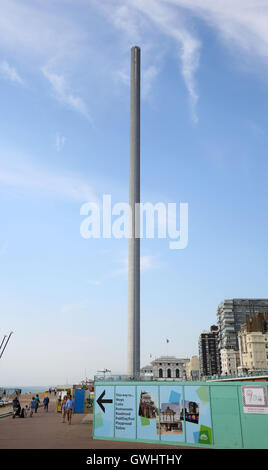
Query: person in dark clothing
[37, 402]
[46, 402]
[16, 407]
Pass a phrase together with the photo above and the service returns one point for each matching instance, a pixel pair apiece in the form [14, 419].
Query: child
[26, 411]
[32, 406]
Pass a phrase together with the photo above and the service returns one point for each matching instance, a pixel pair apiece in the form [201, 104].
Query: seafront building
[253, 342]
[231, 315]
[193, 369]
[209, 352]
[230, 361]
[166, 368]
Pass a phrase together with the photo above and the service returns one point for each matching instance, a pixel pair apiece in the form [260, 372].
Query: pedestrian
[16, 407]
[63, 408]
[32, 406]
[69, 408]
[46, 402]
[26, 411]
[37, 401]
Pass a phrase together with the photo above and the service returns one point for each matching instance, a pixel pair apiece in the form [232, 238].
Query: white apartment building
[230, 361]
[253, 349]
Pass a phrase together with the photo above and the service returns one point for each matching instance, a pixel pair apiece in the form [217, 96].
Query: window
[169, 373]
[160, 373]
[177, 373]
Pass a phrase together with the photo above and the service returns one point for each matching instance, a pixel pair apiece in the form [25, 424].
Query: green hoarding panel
[195, 414]
[226, 417]
[254, 422]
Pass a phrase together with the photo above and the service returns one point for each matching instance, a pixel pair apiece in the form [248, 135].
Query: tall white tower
[134, 199]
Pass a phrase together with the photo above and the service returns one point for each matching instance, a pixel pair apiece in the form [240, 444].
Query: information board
[153, 412]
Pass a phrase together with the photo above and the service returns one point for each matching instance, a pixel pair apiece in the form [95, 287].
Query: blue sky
[64, 140]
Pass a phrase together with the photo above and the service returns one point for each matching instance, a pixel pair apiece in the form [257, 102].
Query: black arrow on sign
[100, 401]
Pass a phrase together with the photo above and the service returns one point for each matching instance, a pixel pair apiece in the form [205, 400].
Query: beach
[24, 399]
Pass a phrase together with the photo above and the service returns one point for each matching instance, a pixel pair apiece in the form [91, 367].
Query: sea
[29, 389]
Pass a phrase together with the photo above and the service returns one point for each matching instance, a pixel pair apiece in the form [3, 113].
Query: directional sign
[100, 401]
[104, 411]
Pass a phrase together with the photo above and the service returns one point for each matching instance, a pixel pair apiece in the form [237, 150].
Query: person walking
[63, 408]
[32, 406]
[16, 407]
[37, 401]
[46, 402]
[69, 408]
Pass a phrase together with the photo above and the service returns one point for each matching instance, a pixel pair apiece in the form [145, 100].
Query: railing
[148, 378]
[139, 378]
[251, 373]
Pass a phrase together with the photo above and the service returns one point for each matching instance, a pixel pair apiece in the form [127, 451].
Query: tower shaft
[134, 199]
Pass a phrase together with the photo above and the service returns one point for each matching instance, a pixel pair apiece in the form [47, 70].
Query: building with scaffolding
[231, 315]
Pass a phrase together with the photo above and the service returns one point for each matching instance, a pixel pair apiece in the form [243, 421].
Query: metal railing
[149, 378]
[251, 373]
[138, 378]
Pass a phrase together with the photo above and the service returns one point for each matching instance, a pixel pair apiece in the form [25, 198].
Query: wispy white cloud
[59, 43]
[256, 128]
[146, 263]
[10, 73]
[24, 176]
[240, 23]
[60, 141]
[171, 22]
[145, 21]
[40, 31]
[94, 283]
[63, 95]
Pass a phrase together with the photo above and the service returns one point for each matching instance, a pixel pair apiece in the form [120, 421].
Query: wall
[193, 414]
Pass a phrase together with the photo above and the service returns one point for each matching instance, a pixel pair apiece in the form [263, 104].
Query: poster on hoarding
[255, 399]
[147, 412]
[171, 422]
[197, 415]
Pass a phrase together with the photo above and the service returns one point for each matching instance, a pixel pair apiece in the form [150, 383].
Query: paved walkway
[46, 431]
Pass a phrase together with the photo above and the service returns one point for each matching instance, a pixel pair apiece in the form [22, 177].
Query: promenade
[46, 431]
